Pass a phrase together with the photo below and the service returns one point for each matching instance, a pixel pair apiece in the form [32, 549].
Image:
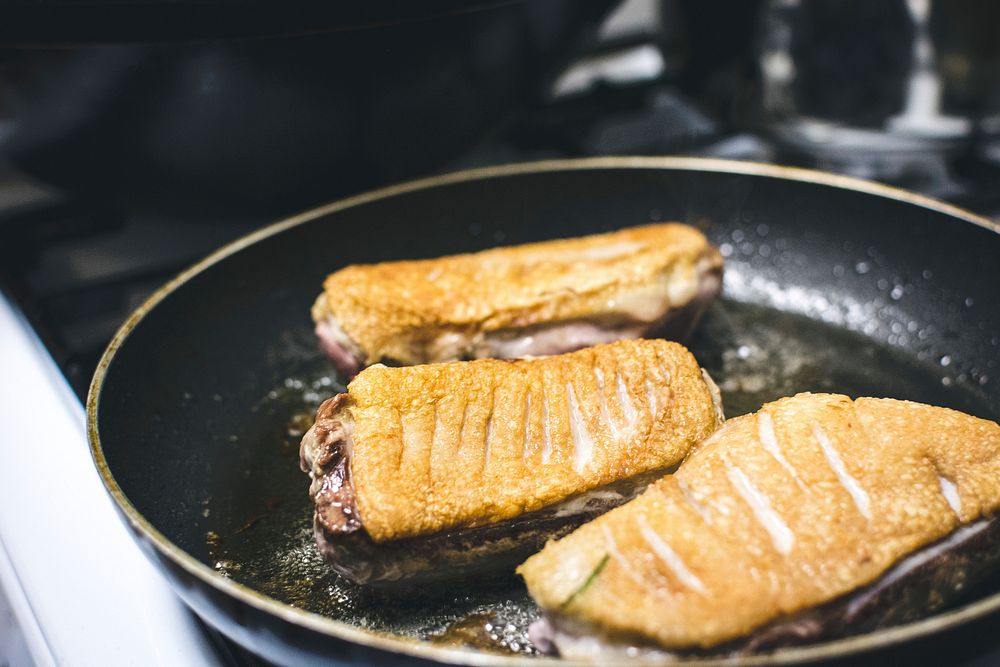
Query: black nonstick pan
[197, 408]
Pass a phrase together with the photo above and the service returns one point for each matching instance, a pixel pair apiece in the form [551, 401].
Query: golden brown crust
[443, 445]
[399, 310]
[844, 529]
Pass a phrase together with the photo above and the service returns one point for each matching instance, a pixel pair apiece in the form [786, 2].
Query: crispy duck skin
[444, 448]
[535, 299]
[814, 517]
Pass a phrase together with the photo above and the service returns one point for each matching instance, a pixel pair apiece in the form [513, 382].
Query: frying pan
[832, 284]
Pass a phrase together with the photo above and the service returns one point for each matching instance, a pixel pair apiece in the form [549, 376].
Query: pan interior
[758, 354]
[818, 298]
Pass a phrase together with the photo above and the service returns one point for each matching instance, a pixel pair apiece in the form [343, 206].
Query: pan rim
[420, 649]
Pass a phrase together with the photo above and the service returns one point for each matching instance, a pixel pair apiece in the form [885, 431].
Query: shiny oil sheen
[757, 354]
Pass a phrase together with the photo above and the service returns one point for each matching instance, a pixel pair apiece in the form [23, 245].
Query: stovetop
[76, 268]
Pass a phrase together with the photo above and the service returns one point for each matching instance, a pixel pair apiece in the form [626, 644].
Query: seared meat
[535, 299]
[815, 517]
[460, 553]
[451, 450]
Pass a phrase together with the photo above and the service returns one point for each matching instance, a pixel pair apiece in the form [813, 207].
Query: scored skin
[419, 462]
[398, 310]
[896, 451]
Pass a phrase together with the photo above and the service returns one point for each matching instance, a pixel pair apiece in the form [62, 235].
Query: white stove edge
[78, 587]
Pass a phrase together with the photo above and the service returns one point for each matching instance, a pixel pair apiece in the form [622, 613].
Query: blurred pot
[271, 125]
